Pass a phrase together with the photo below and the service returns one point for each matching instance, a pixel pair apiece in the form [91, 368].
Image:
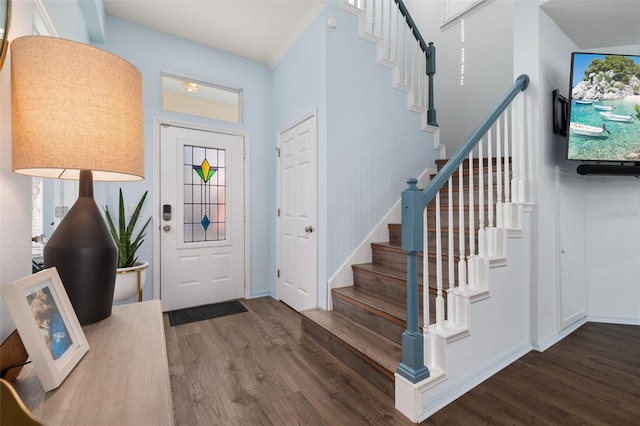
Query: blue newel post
[412, 366]
[431, 71]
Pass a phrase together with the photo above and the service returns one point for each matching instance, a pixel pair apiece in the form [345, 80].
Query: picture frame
[47, 324]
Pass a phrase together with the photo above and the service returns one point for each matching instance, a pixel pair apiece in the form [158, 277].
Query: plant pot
[130, 281]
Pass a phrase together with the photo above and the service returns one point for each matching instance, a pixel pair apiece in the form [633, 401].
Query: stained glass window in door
[204, 194]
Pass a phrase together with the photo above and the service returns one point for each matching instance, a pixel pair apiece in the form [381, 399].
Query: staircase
[387, 326]
[365, 328]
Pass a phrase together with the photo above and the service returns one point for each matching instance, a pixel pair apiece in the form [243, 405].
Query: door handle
[166, 228]
[308, 229]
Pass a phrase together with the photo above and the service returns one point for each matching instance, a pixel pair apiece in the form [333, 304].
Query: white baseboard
[614, 320]
[552, 340]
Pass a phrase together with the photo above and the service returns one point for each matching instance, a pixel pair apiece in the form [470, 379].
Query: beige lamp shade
[75, 107]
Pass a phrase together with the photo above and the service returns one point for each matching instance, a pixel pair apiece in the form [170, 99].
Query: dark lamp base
[85, 255]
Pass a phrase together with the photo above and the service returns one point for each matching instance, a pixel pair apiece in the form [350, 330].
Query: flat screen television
[604, 108]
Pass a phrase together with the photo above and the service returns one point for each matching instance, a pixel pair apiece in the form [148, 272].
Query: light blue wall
[68, 20]
[153, 52]
[299, 87]
[374, 142]
[368, 142]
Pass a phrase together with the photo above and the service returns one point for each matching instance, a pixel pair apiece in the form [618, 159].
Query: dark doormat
[205, 312]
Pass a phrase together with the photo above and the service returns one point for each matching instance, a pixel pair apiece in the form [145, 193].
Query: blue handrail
[413, 203]
[413, 27]
[452, 165]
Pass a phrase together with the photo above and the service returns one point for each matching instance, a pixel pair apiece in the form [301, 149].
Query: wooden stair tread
[398, 248]
[388, 246]
[442, 161]
[386, 271]
[455, 188]
[382, 351]
[444, 229]
[373, 303]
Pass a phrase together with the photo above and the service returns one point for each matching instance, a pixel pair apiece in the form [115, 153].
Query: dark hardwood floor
[256, 368]
[592, 377]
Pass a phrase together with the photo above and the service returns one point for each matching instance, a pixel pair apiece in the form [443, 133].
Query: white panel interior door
[571, 239]
[297, 284]
[202, 238]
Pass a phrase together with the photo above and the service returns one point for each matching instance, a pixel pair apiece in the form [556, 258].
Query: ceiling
[593, 24]
[262, 30]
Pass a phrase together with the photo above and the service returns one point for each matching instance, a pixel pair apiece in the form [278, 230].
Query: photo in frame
[47, 324]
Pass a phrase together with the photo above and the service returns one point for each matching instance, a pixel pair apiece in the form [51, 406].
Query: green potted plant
[131, 272]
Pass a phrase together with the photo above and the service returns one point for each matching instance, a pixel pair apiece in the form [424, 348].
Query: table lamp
[77, 113]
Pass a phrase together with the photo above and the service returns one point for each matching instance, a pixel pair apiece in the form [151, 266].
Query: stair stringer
[420, 400]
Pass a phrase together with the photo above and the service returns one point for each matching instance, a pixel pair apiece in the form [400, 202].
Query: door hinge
[278, 152]
[278, 212]
[278, 273]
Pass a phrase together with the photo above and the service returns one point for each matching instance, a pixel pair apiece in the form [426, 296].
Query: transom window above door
[202, 99]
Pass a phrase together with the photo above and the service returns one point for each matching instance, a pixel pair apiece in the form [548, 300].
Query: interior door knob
[166, 228]
[308, 229]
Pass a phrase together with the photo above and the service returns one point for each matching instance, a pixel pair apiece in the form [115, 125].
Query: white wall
[546, 58]
[613, 249]
[538, 44]
[499, 328]
[15, 190]
[488, 70]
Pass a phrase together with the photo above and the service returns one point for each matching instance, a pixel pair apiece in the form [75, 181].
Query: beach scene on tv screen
[605, 108]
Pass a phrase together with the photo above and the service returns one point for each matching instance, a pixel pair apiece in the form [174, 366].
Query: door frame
[157, 207]
[311, 114]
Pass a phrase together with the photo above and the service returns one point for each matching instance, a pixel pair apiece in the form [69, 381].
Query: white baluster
[472, 278]
[507, 174]
[515, 164]
[426, 320]
[499, 207]
[462, 264]
[373, 17]
[439, 297]
[390, 20]
[450, 290]
[482, 241]
[408, 53]
[418, 67]
[399, 25]
[491, 249]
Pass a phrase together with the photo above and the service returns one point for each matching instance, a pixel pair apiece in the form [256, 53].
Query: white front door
[202, 221]
[297, 216]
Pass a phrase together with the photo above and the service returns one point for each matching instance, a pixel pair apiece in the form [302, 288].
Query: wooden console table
[122, 380]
